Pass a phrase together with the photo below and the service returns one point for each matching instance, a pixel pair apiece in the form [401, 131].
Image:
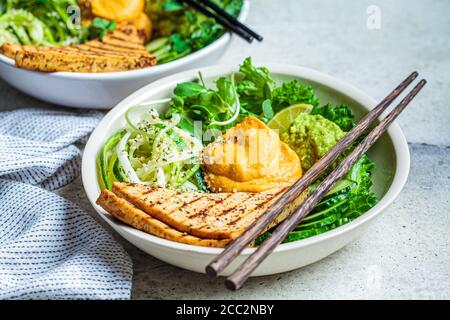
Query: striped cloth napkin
[49, 247]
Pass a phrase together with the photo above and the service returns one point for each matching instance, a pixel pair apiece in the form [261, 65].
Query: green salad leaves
[255, 89]
[251, 92]
[361, 197]
[39, 22]
[213, 108]
[293, 92]
[180, 30]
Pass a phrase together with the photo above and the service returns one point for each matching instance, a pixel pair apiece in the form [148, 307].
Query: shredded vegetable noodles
[152, 151]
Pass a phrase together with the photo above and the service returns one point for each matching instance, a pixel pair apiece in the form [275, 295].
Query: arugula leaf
[267, 109]
[172, 5]
[179, 44]
[341, 115]
[215, 108]
[189, 89]
[100, 27]
[293, 92]
[225, 90]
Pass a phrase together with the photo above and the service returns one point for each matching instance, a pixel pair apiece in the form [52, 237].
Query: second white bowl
[105, 90]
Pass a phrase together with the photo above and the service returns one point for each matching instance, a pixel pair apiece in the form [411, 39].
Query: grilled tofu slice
[120, 50]
[211, 216]
[10, 50]
[129, 214]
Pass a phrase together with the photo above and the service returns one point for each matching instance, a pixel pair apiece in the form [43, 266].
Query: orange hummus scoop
[117, 10]
[250, 158]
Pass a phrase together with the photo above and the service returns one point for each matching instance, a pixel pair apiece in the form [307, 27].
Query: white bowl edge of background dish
[104, 90]
[391, 155]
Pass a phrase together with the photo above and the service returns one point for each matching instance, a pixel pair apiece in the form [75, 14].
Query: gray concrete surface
[405, 254]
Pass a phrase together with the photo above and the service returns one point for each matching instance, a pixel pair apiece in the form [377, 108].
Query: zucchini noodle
[152, 151]
[174, 121]
[122, 155]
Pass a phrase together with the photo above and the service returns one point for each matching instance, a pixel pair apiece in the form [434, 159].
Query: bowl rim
[149, 71]
[395, 133]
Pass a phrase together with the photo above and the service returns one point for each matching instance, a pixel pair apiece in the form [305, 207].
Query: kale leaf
[361, 197]
[293, 92]
[255, 87]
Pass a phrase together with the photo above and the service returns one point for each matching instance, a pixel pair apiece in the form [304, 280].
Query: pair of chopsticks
[237, 279]
[222, 17]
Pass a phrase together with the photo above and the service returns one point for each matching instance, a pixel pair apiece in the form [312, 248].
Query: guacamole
[311, 136]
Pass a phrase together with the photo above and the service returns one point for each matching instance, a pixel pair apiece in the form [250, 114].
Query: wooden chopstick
[235, 248]
[221, 20]
[232, 19]
[236, 280]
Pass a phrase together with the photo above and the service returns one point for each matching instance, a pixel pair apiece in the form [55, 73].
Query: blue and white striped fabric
[49, 247]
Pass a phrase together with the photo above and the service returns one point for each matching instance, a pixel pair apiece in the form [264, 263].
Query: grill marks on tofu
[229, 223]
[143, 193]
[205, 216]
[172, 204]
[120, 50]
[212, 216]
[211, 220]
[129, 214]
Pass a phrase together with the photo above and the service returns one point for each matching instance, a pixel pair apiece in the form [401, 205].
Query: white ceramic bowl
[390, 154]
[105, 90]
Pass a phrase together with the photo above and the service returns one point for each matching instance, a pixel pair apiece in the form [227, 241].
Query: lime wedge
[283, 119]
